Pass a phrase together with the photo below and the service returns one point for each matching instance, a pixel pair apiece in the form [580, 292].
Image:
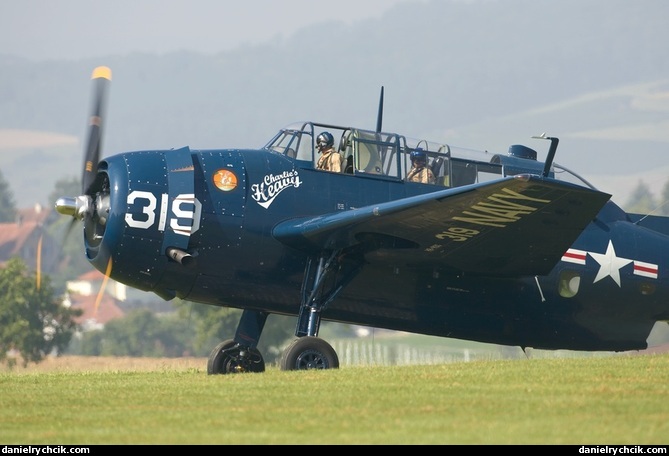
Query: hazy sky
[74, 29]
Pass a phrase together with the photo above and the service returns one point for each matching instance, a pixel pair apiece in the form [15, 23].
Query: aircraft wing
[519, 225]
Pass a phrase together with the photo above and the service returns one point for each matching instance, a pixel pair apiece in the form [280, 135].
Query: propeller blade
[101, 77]
[38, 263]
[101, 292]
[63, 240]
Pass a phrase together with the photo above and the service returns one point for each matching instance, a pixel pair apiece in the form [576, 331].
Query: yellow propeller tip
[102, 72]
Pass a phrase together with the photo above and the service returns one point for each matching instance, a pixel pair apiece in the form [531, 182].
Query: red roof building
[97, 297]
[28, 240]
[95, 314]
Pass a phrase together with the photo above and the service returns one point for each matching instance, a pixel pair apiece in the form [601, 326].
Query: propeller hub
[77, 207]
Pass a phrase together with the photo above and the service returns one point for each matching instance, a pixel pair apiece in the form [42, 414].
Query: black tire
[309, 353]
[224, 359]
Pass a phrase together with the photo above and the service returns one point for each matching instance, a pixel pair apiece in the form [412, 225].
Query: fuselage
[220, 207]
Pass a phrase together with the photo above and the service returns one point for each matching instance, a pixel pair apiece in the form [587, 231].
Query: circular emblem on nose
[225, 180]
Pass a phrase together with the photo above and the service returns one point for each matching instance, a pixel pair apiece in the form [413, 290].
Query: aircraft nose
[143, 224]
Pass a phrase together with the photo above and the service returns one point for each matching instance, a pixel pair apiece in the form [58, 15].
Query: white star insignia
[609, 264]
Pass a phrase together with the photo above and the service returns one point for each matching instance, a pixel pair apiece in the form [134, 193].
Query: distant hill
[480, 74]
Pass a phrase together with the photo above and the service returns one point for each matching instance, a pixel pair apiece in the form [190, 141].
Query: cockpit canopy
[386, 155]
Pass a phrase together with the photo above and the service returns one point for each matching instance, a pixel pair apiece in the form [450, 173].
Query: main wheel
[228, 358]
[309, 353]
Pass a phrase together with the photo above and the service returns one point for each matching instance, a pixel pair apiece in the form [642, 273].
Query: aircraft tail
[657, 223]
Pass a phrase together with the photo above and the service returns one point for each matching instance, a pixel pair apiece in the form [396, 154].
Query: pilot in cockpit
[330, 159]
[419, 171]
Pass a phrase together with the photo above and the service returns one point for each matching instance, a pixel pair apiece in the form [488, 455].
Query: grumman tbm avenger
[498, 247]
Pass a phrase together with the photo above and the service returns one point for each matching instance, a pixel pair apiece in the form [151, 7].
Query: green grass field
[606, 400]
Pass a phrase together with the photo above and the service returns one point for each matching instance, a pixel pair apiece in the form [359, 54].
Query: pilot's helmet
[324, 140]
[419, 156]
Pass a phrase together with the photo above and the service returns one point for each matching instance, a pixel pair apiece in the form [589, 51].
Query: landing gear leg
[240, 354]
[324, 278]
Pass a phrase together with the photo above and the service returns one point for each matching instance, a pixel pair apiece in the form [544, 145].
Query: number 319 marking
[184, 221]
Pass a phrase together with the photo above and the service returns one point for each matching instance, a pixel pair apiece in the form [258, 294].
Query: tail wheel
[230, 358]
[309, 353]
